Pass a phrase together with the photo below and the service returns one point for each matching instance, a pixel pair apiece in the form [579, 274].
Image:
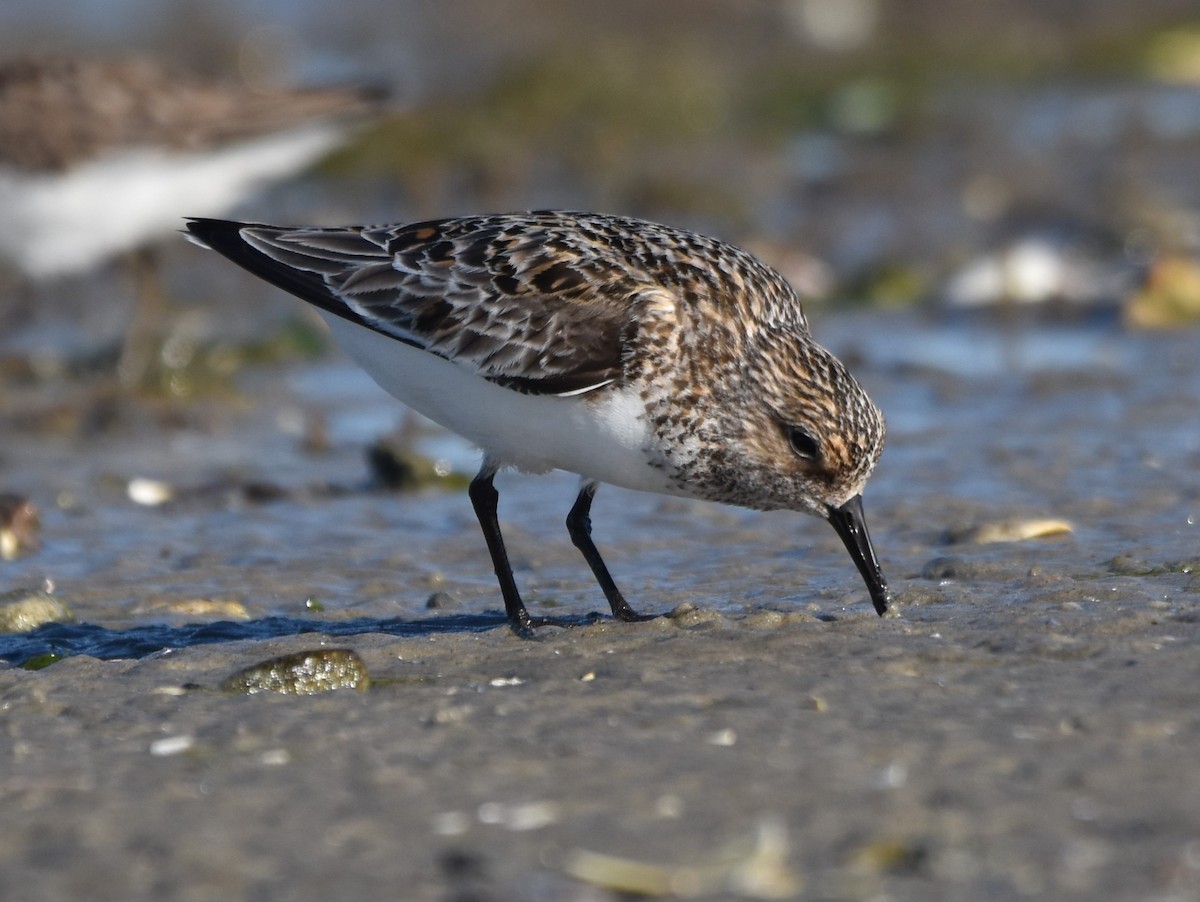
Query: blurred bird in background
[101, 157]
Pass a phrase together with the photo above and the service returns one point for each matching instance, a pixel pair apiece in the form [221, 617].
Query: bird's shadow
[60, 640]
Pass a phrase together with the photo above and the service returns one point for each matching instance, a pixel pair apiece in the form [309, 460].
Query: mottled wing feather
[522, 307]
[545, 302]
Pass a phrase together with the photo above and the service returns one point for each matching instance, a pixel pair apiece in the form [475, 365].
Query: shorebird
[100, 157]
[624, 351]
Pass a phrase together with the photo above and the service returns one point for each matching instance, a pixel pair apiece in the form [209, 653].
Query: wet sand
[1025, 727]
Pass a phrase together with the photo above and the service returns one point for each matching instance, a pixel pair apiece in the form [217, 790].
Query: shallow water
[987, 421]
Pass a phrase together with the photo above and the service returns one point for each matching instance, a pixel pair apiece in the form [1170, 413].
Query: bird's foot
[525, 626]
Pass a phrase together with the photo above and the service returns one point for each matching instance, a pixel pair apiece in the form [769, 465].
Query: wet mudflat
[1025, 727]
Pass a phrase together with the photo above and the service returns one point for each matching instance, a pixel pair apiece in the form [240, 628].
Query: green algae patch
[302, 673]
[41, 662]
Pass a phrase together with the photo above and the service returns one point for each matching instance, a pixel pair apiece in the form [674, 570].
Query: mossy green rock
[302, 673]
[24, 610]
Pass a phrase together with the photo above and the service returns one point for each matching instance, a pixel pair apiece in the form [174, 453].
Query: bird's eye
[803, 444]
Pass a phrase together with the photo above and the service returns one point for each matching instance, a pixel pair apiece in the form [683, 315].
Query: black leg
[579, 525]
[484, 497]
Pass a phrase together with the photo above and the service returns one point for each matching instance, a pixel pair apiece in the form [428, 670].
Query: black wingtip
[200, 225]
[226, 238]
[221, 235]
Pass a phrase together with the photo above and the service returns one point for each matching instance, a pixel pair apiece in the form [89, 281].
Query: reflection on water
[64, 640]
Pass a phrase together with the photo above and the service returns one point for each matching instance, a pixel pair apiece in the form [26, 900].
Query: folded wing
[535, 304]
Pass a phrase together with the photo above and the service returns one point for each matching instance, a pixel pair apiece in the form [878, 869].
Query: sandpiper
[625, 351]
[100, 156]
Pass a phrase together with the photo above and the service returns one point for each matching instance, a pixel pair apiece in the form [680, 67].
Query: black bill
[850, 524]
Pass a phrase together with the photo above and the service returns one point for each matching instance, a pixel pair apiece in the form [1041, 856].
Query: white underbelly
[601, 435]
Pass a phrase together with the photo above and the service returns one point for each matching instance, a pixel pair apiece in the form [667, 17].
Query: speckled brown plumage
[690, 361]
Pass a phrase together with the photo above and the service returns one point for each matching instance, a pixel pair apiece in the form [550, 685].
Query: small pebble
[149, 492]
[891, 856]
[500, 682]
[439, 601]
[1017, 530]
[519, 816]
[757, 869]
[725, 738]
[171, 745]
[24, 610]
